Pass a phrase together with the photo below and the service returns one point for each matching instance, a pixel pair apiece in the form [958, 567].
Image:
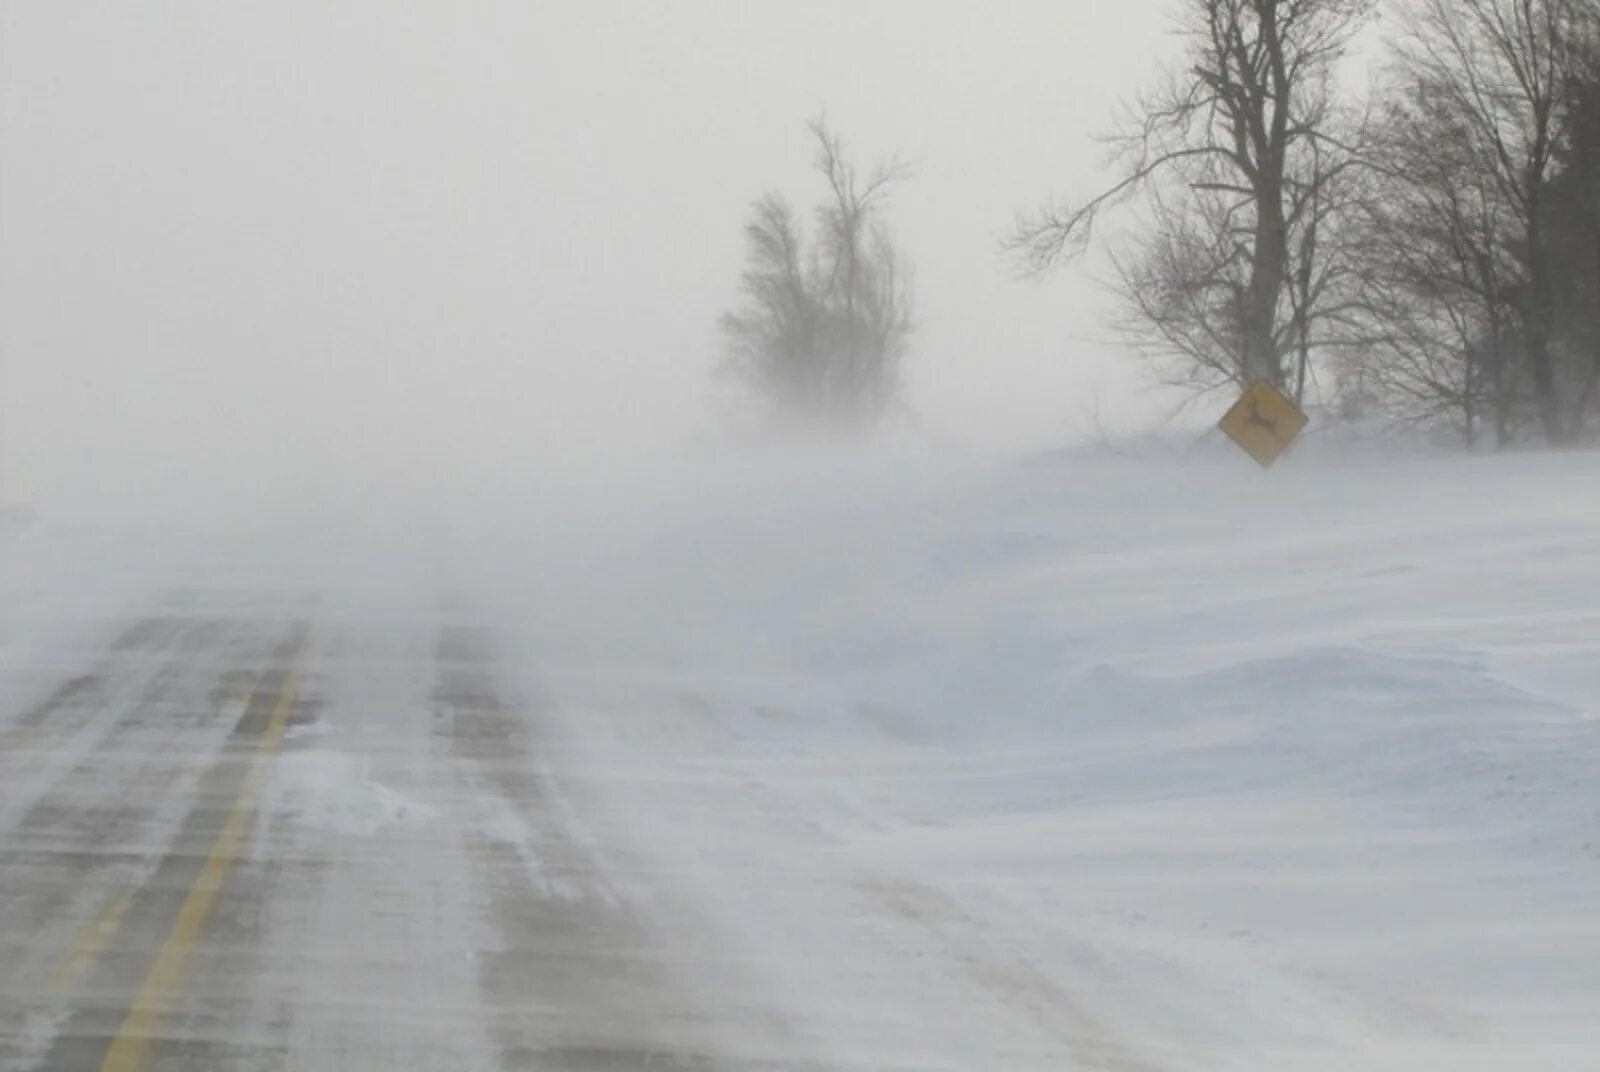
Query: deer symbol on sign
[1257, 419]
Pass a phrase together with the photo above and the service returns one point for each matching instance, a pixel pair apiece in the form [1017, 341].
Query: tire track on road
[576, 982]
[1012, 980]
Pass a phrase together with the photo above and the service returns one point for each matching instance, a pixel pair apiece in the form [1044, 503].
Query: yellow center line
[130, 1047]
[97, 933]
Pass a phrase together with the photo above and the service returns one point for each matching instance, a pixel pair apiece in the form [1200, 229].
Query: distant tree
[1241, 160]
[1496, 75]
[1575, 225]
[1480, 229]
[824, 322]
[1440, 334]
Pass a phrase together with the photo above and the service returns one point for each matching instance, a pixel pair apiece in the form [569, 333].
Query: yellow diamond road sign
[1264, 422]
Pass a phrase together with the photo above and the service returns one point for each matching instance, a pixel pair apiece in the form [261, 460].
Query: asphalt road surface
[279, 841]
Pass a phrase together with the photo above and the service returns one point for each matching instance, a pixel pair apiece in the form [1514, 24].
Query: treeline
[1474, 231]
[1422, 244]
[1427, 246]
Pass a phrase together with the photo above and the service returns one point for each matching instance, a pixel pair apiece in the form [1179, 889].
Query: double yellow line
[129, 1050]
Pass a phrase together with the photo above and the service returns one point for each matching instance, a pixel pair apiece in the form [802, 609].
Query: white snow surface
[1104, 762]
[1093, 761]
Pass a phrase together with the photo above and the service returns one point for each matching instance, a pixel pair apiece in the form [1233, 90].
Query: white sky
[323, 241]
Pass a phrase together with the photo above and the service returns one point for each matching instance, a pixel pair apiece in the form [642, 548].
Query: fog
[410, 658]
[250, 251]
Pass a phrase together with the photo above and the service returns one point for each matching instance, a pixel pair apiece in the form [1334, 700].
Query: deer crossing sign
[1264, 422]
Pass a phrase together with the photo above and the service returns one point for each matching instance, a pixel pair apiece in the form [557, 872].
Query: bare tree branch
[1228, 153]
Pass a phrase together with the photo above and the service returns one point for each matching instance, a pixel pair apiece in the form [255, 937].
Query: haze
[301, 245]
[412, 657]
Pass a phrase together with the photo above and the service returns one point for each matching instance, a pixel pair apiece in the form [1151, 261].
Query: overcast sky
[322, 241]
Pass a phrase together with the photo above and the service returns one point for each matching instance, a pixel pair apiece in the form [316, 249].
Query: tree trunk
[1537, 332]
[1585, 399]
[1262, 360]
[1501, 385]
[1580, 416]
[1544, 384]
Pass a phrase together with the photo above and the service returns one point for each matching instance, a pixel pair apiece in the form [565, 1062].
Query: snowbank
[1194, 766]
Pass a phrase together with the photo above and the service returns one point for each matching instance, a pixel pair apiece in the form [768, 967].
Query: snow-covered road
[1094, 765]
[289, 842]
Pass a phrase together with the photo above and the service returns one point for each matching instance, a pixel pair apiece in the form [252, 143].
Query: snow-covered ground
[1129, 763]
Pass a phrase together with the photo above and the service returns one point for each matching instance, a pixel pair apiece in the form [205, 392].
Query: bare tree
[1576, 220]
[1181, 286]
[1498, 72]
[1328, 182]
[1439, 329]
[1240, 151]
[773, 337]
[825, 324]
[866, 289]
